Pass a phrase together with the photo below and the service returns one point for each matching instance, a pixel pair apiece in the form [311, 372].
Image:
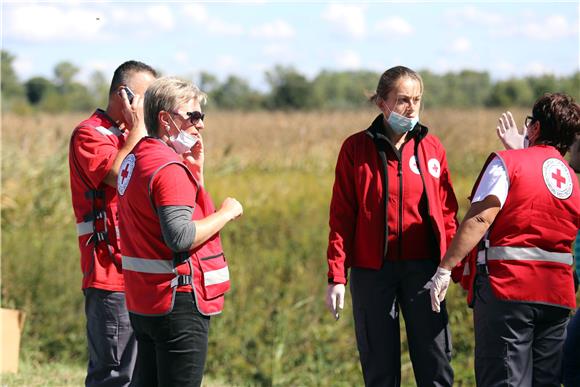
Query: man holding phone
[98, 146]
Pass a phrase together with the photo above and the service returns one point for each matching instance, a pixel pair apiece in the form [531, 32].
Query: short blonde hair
[166, 94]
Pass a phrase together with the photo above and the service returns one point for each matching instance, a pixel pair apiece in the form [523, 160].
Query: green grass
[275, 329]
[55, 374]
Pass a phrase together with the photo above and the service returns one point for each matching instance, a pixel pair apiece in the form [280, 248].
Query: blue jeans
[571, 361]
[172, 348]
[111, 342]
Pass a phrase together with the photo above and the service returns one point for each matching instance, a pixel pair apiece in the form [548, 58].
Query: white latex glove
[335, 299]
[508, 132]
[438, 286]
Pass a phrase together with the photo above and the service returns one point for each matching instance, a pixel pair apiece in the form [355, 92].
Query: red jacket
[360, 221]
[529, 254]
[152, 271]
[93, 147]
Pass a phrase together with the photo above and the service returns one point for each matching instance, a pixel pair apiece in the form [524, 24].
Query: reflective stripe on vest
[162, 266]
[527, 254]
[151, 266]
[84, 228]
[216, 276]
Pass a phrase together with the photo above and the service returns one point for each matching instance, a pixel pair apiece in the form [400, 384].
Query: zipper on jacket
[400, 225]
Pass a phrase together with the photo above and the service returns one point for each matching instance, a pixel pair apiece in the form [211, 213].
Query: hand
[195, 158]
[133, 114]
[508, 132]
[232, 207]
[335, 299]
[438, 286]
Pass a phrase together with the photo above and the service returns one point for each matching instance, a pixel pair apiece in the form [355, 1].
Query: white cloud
[553, 27]
[277, 51]
[226, 64]
[181, 57]
[537, 68]
[349, 19]
[195, 12]
[471, 14]
[44, 23]
[160, 16]
[221, 27]
[349, 59]
[460, 45]
[278, 29]
[394, 26]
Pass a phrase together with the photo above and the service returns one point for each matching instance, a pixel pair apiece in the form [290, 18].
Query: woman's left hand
[195, 158]
[508, 132]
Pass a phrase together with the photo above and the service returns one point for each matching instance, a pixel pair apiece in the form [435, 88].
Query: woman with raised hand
[519, 231]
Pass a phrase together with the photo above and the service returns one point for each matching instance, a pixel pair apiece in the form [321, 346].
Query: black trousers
[376, 297]
[171, 349]
[516, 343]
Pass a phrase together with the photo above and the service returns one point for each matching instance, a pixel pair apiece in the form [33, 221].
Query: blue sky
[247, 38]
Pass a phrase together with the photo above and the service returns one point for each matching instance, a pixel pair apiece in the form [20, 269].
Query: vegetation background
[275, 329]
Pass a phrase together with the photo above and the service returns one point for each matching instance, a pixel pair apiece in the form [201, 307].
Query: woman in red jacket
[392, 214]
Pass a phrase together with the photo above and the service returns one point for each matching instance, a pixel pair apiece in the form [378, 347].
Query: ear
[163, 118]
[164, 123]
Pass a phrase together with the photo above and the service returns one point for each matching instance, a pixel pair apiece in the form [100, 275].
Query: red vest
[529, 255]
[151, 279]
[93, 147]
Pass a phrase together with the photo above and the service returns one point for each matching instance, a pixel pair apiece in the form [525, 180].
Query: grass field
[275, 329]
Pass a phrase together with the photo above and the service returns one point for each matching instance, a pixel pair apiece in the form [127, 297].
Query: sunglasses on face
[193, 117]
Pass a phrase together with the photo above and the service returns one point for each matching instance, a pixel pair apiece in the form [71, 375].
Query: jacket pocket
[215, 275]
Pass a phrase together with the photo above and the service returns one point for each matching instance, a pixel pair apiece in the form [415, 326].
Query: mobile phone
[130, 94]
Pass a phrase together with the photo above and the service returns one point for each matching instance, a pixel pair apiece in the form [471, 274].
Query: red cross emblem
[124, 173]
[559, 178]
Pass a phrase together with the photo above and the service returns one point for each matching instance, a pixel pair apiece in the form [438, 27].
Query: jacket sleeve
[343, 211]
[449, 204]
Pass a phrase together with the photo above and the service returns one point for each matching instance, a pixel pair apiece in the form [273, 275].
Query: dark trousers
[376, 296]
[172, 348]
[516, 343]
[571, 361]
[111, 342]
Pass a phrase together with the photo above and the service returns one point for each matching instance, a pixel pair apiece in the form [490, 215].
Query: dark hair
[390, 77]
[125, 70]
[559, 118]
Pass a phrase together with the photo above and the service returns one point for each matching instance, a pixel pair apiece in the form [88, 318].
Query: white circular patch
[434, 168]
[125, 173]
[413, 165]
[557, 178]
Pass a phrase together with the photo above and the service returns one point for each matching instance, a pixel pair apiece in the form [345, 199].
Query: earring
[166, 127]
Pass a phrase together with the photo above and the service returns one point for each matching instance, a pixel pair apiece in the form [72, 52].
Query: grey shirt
[177, 228]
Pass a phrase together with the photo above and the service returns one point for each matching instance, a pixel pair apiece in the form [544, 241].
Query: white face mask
[183, 142]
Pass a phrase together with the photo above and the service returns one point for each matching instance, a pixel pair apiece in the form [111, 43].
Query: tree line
[288, 89]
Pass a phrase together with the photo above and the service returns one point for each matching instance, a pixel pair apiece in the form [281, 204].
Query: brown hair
[389, 79]
[559, 118]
